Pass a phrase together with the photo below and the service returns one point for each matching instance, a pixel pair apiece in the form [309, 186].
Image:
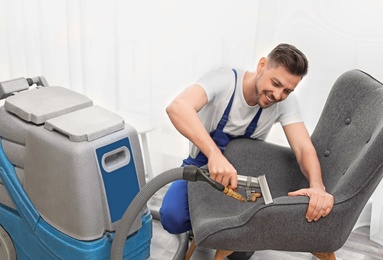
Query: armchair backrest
[349, 136]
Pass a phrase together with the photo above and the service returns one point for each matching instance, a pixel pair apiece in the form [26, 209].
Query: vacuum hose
[125, 223]
[189, 173]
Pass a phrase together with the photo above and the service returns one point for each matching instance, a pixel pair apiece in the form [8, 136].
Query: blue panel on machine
[119, 175]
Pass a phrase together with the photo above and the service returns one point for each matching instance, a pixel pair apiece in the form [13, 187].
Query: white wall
[336, 36]
[137, 55]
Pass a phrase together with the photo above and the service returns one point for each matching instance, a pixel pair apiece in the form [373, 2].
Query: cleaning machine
[72, 182]
[68, 171]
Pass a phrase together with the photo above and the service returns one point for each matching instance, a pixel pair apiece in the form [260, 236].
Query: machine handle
[39, 81]
[115, 159]
[9, 87]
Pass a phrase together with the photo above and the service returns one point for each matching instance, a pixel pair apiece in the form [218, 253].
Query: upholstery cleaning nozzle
[229, 192]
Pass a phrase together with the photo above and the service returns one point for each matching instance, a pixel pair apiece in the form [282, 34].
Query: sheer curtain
[127, 55]
[137, 55]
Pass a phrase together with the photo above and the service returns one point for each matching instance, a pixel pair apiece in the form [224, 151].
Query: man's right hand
[222, 171]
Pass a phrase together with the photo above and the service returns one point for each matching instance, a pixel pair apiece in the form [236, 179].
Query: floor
[357, 247]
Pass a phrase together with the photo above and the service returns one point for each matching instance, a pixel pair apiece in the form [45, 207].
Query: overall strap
[253, 124]
[225, 116]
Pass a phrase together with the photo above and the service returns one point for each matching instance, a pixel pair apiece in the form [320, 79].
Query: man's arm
[321, 202]
[182, 112]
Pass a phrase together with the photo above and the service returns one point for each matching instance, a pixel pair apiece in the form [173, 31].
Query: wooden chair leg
[221, 254]
[324, 256]
[190, 250]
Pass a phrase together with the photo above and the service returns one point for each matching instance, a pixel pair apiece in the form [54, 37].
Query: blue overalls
[174, 212]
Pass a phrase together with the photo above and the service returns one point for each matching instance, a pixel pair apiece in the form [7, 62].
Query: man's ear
[261, 65]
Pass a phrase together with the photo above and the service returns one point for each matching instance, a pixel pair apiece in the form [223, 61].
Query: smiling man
[231, 103]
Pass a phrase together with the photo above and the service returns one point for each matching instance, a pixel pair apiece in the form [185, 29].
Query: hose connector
[229, 192]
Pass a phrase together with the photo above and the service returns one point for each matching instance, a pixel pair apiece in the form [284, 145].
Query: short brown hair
[289, 57]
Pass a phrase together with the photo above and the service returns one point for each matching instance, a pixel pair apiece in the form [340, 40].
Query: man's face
[273, 84]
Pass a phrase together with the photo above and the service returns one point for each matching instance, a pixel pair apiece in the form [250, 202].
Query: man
[226, 104]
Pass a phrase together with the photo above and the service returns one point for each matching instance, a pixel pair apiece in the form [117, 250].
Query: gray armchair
[349, 143]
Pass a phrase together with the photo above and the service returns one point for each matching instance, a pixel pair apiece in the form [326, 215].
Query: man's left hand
[320, 204]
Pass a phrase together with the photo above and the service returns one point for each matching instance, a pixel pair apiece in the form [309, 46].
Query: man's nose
[278, 94]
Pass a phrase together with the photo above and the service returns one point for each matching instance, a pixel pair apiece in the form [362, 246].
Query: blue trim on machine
[16, 191]
[121, 185]
[49, 243]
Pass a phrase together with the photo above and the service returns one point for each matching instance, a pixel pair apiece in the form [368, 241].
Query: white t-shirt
[219, 86]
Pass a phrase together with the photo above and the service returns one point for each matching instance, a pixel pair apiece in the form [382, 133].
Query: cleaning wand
[248, 183]
[193, 173]
[251, 184]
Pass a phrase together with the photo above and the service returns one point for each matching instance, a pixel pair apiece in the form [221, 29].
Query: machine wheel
[7, 250]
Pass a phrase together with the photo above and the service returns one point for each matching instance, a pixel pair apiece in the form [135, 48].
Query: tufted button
[326, 153]
[348, 121]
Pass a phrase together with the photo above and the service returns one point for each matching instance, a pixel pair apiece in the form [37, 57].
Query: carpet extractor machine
[72, 181]
[68, 171]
